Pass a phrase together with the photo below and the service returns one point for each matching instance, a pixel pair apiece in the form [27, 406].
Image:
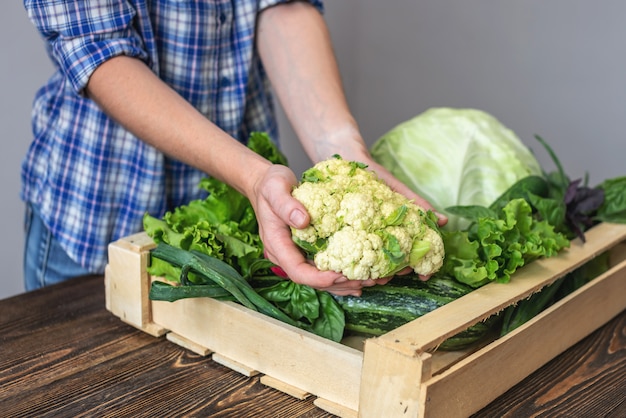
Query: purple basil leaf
[570, 193]
[588, 200]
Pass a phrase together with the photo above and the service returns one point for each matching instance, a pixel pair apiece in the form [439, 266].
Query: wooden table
[63, 354]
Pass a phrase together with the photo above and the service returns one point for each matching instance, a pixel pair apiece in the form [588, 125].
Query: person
[150, 96]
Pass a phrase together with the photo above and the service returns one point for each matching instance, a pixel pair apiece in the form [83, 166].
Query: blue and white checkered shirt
[91, 180]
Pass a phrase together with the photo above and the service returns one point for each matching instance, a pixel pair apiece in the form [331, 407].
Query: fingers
[406, 270]
[441, 218]
[276, 212]
[330, 281]
[345, 287]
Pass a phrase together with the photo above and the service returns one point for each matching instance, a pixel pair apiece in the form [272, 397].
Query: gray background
[555, 68]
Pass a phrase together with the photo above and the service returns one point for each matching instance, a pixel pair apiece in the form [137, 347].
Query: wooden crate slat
[335, 409]
[234, 365]
[293, 356]
[397, 373]
[127, 284]
[290, 390]
[525, 349]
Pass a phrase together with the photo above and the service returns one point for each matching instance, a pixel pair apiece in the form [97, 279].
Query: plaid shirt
[91, 180]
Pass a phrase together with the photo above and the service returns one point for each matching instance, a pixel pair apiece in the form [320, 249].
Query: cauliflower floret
[414, 221]
[343, 176]
[308, 234]
[404, 237]
[432, 261]
[322, 205]
[353, 252]
[359, 210]
[360, 226]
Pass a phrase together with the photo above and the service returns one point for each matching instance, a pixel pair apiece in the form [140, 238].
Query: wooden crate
[399, 373]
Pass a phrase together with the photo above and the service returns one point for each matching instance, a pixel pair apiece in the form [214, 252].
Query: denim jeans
[45, 262]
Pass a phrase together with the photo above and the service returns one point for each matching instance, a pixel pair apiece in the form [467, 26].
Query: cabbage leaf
[455, 157]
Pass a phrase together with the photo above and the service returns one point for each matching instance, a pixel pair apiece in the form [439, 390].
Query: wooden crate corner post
[127, 283]
[391, 379]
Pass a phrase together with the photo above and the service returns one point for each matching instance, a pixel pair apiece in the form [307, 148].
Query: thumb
[298, 217]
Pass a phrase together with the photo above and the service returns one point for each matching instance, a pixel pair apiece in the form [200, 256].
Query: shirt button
[224, 82]
[222, 17]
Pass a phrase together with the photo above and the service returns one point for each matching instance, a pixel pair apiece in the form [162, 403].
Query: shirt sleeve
[81, 35]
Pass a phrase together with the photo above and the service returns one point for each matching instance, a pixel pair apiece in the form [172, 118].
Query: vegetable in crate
[381, 309]
[498, 242]
[522, 312]
[361, 227]
[211, 248]
[222, 225]
[455, 157]
[613, 209]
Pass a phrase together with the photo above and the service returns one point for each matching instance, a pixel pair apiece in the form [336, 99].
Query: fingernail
[297, 218]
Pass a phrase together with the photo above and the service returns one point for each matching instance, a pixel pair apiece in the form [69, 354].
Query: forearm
[295, 47]
[129, 92]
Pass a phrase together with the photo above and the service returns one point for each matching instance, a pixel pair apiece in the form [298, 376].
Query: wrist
[345, 141]
[351, 145]
[254, 170]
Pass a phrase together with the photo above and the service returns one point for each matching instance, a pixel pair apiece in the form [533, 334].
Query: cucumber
[381, 309]
[436, 285]
[471, 335]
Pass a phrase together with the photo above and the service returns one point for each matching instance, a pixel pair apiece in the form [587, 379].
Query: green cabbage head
[455, 157]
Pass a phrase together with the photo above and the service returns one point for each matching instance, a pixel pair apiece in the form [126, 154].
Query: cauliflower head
[360, 227]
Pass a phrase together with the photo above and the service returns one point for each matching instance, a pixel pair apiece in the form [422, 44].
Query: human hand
[276, 212]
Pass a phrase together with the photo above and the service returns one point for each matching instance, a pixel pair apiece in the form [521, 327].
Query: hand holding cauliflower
[362, 228]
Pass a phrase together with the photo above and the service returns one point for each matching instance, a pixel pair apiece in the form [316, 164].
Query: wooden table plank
[63, 354]
[588, 380]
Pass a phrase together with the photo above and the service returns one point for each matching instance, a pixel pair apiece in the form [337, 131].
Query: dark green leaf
[471, 212]
[614, 207]
[331, 323]
[311, 249]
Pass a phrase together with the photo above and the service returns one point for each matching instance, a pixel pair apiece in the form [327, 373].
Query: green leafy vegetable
[522, 312]
[317, 310]
[613, 209]
[455, 157]
[223, 225]
[573, 204]
[504, 210]
[211, 248]
[498, 243]
[260, 143]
